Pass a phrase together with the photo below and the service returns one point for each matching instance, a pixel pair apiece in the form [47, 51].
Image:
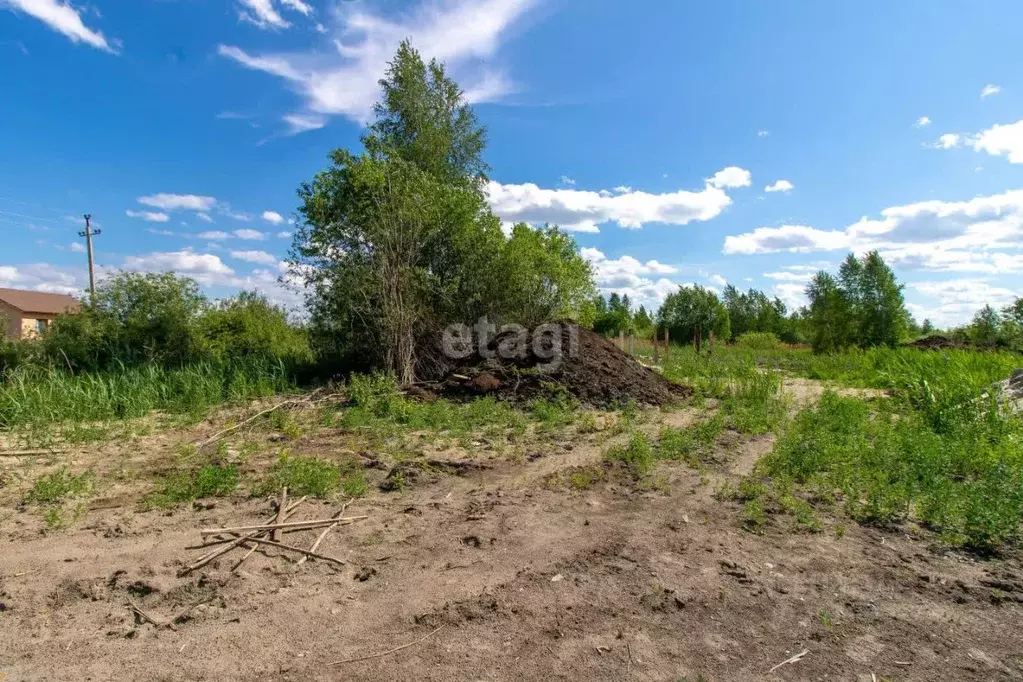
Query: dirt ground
[496, 572]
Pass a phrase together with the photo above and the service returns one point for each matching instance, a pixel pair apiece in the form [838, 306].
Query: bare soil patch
[490, 569]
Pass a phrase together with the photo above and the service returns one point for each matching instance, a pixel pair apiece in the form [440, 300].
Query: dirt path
[524, 582]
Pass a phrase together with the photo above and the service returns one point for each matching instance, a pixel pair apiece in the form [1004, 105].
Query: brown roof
[39, 302]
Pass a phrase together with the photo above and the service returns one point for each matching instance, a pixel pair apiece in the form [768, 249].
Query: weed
[585, 477]
[637, 455]
[303, 476]
[210, 480]
[54, 488]
[826, 619]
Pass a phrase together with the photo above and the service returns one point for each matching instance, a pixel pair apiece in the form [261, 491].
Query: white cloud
[148, 216]
[792, 294]
[948, 141]
[793, 238]
[62, 17]
[582, 210]
[249, 234]
[730, 177]
[922, 122]
[989, 90]
[204, 216]
[790, 276]
[718, 280]
[957, 300]
[779, 186]
[1001, 139]
[763, 133]
[262, 13]
[178, 202]
[273, 217]
[980, 235]
[303, 123]
[261, 257]
[46, 277]
[629, 276]
[216, 235]
[284, 235]
[298, 6]
[203, 266]
[622, 189]
[565, 180]
[465, 34]
[77, 247]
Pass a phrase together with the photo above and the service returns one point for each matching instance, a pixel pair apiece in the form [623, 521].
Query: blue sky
[656, 130]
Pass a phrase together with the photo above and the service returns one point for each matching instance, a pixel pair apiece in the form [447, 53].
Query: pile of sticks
[268, 534]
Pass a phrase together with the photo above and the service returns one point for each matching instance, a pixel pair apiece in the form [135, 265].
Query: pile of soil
[937, 342]
[588, 367]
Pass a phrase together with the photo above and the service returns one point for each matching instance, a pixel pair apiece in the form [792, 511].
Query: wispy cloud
[989, 90]
[148, 216]
[61, 17]
[178, 202]
[779, 186]
[343, 80]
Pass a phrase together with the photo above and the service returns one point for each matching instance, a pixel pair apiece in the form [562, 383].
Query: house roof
[39, 301]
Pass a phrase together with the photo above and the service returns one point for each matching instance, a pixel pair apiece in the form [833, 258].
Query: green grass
[888, 463]
[313, 477]
[32, 395]
[637, 455]
[209, 480]
[690, 445]
[54, 488]
[378, 405]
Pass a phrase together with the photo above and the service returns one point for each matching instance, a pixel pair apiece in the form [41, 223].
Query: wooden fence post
[632, 343]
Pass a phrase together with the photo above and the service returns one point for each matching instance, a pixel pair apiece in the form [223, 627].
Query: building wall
[29, 325]
[12, 330]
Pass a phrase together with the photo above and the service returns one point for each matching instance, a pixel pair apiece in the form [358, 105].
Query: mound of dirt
[522, 364]
[937, 342]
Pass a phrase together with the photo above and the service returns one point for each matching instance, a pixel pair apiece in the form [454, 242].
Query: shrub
[758, 341]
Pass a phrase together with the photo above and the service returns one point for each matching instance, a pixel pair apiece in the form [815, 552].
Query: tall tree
[830, 319]
[692, 313]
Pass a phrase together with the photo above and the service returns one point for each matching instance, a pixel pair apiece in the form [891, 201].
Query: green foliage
[135, 319]
[378, 404]
[544, 276]
[400, 241]
[758, 341]
[613, 315]
[54, 488]
[248, 326]
[863, 307]
[754, 312]
[177, 487]
[693, 312]
[964, 479]
[39, 395]
[308, 476]
[690, 445]
[637, 455]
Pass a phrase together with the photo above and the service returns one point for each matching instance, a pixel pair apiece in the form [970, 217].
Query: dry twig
[389, 651]
[795, 659]
[340, 513]
[291, 548]
[291, 525]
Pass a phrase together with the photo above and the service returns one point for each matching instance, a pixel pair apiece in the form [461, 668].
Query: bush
[758, 341]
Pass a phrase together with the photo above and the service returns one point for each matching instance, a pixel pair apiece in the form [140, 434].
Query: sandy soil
[497, 574]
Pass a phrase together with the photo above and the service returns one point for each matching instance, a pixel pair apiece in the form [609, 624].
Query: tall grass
[886, 464]
[36, 395]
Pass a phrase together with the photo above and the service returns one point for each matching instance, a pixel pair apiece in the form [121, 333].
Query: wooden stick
[309, 525]
[795, 659]
[247, 555]
[281, 505]
[326, 530]
[229, 429]
[207, 558]
[137, 610]
[30, 453]
[281, 545]
[389, 651]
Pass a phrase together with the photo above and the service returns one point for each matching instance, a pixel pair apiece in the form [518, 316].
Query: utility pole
[88, 233]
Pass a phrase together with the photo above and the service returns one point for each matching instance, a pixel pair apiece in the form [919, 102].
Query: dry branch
[292, 525]
[290, 548]
[319, 539]
[795, 659]
[389, 651]
[274, 534]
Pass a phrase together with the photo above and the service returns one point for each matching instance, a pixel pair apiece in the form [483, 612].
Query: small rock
[557, 578]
